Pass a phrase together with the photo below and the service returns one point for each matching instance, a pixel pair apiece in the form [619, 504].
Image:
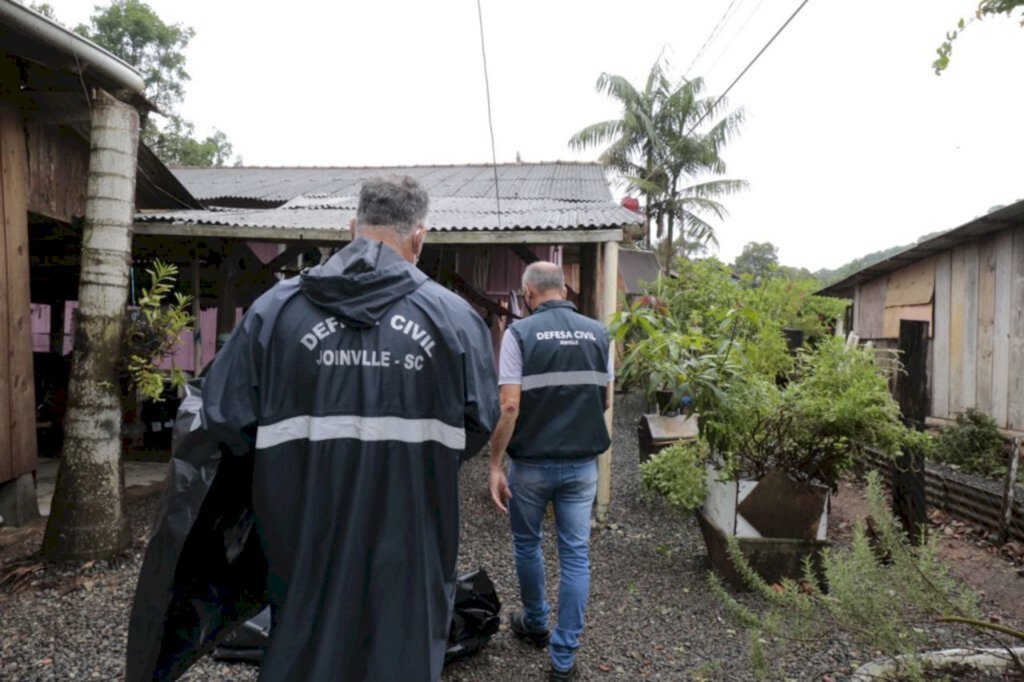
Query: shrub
[835, 400]
[679, 473]
[153, 334]
[973, 444]
[878, 592]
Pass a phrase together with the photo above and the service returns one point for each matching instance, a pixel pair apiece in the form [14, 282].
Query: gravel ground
[650, 615]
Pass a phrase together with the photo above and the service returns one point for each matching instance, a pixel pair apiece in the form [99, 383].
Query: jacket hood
[359, 283]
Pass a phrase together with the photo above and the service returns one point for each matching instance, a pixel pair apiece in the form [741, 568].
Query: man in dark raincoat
[353, 392]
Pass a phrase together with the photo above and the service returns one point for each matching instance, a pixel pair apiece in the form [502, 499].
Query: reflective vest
[564, 384]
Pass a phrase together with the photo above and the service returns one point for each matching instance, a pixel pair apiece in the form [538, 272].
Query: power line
[711, 36]
[733, 39]
[490, 121]
[747, 67]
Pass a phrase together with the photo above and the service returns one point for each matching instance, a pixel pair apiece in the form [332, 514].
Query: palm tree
[667, 147]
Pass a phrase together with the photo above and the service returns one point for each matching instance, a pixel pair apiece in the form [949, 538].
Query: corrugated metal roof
[581, 215]
[568, 181]
[1009, 216]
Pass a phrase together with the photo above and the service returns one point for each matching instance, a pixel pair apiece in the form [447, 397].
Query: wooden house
[968, 285]
[47, 74]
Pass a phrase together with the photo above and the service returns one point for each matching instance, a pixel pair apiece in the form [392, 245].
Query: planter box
[656, 432]
[778, 522]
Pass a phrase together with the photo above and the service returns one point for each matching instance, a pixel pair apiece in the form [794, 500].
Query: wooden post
[18, 380]
[226, 296]
[590, 257]
[10, 132]
[908, 489]
[1008, 490]
[197, 338]
[609, 303]
[87, 515]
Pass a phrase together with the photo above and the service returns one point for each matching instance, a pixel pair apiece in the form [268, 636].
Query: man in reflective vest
[556, 383]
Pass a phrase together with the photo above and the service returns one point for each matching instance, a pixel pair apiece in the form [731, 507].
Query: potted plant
[780, 449]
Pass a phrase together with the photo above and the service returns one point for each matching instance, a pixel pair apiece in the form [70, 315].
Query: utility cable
[747, 67]
[733, 39]
[490, 121]
[711, 36]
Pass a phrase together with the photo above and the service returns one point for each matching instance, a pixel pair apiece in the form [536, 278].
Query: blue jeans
[570, 484]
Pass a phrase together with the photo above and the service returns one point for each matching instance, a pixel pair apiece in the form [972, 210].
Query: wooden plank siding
[58, 160]
[871, 310]
[1003, 244]
[957, 281]
[940, 348]
[977, 309]
[1015, 398]
[969, 376]
[986, 325]
[17, 382]
[9, 133]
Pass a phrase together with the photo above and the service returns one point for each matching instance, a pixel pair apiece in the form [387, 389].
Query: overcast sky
[851, 143]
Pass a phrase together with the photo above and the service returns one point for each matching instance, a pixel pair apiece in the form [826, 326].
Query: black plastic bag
[474, 621]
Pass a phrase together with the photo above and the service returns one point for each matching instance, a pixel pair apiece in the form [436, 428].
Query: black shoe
[556, 675]
[517, 621]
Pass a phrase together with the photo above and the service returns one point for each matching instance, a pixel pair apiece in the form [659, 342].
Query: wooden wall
[978, 356]
[58, 164]
[973, 295]
[17, 388]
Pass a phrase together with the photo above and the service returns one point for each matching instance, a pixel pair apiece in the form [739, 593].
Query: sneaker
[556, 675]
[517, 622]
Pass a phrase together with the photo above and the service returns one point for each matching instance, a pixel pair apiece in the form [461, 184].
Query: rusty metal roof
[568, 181]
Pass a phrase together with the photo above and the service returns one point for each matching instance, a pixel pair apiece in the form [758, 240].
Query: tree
[667, 147]
[133, 31]
[44, 8]
[986, 8]
[87, 514]
[758, 259]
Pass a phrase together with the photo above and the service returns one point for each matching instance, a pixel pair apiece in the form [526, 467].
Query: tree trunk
[87, 517]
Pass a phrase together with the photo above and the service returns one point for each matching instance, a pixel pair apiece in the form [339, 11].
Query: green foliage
[693, 332]
[177, 145]
[154, 332]
[986, 8]
[134, 32]
[877, 592]
[760, 260]
[810, 426]
[44, 8]
[666, 146]
[679, 473]
[974, 444]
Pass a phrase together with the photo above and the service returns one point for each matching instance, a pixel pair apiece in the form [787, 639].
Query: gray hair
[543, 276]
[396, 201]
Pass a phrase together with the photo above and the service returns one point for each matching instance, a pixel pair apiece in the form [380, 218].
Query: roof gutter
[89, 54]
